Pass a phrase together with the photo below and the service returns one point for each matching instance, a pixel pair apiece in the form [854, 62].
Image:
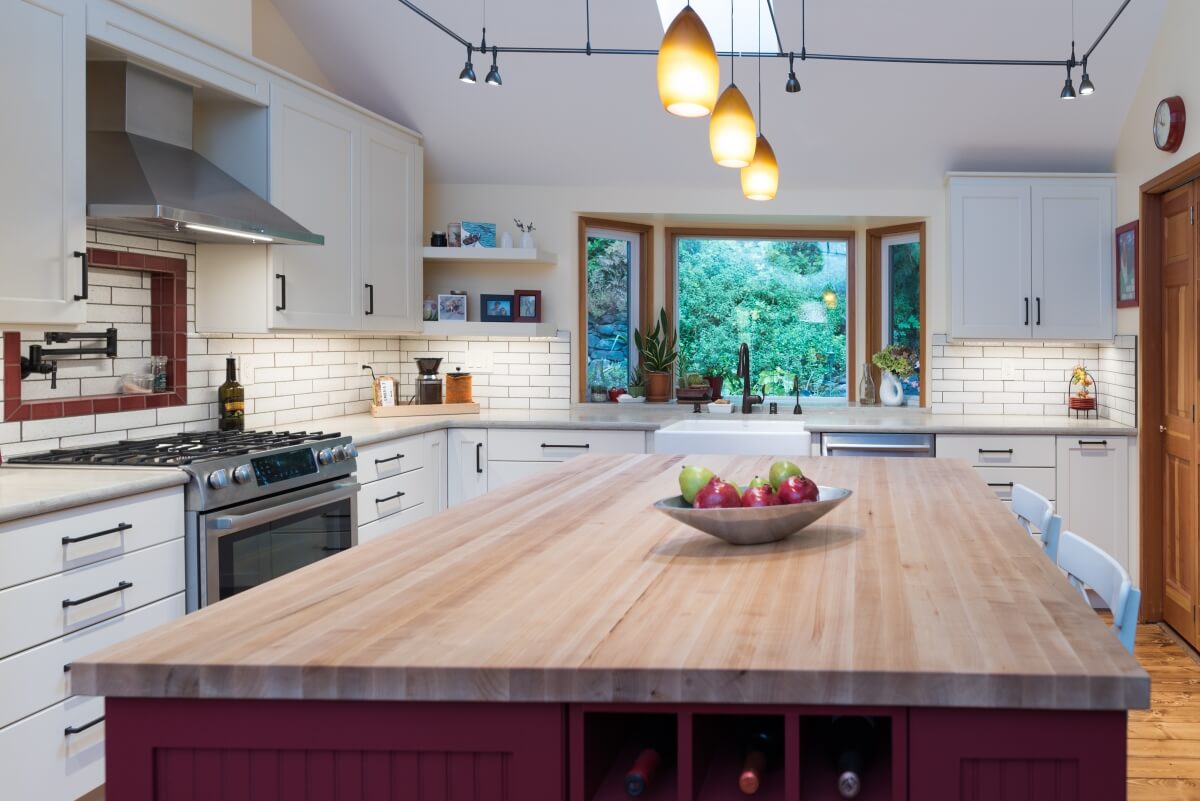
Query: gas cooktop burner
[175, 450]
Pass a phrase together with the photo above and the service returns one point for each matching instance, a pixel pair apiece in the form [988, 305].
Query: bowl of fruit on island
[765, 510]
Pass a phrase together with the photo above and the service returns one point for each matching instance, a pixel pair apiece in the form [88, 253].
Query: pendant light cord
[731, 56]
[760, 2]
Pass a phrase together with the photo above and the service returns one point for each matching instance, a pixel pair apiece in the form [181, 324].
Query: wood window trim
[1150, 380]
[645, 282]
[841, 235]
[874, 307]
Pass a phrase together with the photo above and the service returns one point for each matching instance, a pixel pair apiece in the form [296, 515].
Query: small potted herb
[714, 374]
[637, 383]
[657, 353]
[896, 362]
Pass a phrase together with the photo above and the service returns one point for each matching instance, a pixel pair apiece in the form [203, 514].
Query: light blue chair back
[1036, 514]
[1089, 566]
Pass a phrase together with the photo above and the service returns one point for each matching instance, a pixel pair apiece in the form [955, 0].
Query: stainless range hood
[144, 178]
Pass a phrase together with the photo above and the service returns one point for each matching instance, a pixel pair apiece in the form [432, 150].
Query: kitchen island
[525, 645]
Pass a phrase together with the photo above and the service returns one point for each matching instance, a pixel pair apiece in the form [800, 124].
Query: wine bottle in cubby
[761, 748]
[655, 740]
[853, 743]
[642, 773]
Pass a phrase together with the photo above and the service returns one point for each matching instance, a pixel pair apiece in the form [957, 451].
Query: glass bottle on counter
[866, 387]
[231, 400]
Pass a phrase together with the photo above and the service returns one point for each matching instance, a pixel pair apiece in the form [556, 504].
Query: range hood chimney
[144, 178]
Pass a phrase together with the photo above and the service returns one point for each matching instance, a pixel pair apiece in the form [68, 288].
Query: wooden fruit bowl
[756, 524]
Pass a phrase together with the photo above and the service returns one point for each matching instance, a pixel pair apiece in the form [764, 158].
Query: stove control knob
[339, 454]
[325, 456]
[242, 473]
[218, 479]
[351, 451]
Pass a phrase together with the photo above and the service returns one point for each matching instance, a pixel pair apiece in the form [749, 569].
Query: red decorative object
[168, 337]
[529, 296]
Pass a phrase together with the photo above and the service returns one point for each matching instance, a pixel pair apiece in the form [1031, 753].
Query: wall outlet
[1009, 370]
[480, 361]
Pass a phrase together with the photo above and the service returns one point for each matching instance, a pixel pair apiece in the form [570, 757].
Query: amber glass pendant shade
[689, 77]
[731, 131]
[760, 178]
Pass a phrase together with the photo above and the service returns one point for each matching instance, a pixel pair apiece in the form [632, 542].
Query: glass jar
[158, 368]
[866, 387]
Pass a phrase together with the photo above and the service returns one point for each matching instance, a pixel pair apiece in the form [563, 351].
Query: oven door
[244, 546]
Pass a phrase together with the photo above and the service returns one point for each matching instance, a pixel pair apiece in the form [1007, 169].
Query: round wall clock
[1169, 121]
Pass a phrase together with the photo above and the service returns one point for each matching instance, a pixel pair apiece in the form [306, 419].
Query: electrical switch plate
[1010, 370]
[480, 361]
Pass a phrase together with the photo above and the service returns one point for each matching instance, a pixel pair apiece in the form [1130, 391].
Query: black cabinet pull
[1008, 484]
[67, 732]
[282, 291]
[390, 498]
[478, 453]
[83, 261]
[370, 298]
[996, 450]
[1039, 311]
[1093, 442]
[395, 458]
[124, 585]
[1026, 311]
[552, 445]
[114, 530]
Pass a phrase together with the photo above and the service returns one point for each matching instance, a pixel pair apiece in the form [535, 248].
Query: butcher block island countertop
[920, 590]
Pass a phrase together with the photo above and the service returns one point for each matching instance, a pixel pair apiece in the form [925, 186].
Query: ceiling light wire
[760, 113]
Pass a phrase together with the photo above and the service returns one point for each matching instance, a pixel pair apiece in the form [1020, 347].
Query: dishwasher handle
[877, 448]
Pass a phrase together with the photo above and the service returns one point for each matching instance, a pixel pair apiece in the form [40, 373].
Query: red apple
[718, 494]
[760, 496]
[799, 489]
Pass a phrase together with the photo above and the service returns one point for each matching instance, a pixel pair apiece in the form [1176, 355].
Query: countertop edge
[73, 500]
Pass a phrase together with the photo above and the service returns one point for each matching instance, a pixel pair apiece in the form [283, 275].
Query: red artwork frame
[536, 294]
[168, 336]
[1128, 230]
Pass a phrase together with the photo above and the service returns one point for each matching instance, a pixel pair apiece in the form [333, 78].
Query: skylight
[715, 14]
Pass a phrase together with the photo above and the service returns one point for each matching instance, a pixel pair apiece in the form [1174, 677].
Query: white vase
[527, 241]
[891, 393]
[506, 240]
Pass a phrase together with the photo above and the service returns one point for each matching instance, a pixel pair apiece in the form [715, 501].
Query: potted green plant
[692, 387]
[637, 383]
[657, 353]
[896, 362]
[714, 374]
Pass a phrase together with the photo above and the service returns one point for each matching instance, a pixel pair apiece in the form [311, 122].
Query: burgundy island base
[559, 639]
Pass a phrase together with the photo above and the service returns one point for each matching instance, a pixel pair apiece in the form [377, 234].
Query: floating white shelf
[477, 329]
[500, 255]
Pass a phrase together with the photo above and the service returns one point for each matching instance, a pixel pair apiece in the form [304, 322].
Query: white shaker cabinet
[392, 183]
[42, 153]
[1094, 492]
[466, 464]
[1031, 257]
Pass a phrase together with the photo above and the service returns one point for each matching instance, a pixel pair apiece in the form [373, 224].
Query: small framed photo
[452, 307]
[496, 308]
[478, 235]
[1127, 265]
[454, 235]
[528, 305]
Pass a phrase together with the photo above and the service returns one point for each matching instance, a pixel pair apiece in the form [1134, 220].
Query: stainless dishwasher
[854, 444]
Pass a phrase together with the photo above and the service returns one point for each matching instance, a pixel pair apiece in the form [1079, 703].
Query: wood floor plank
[1164, 741]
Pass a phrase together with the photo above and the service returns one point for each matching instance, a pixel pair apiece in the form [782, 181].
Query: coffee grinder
[429, 383]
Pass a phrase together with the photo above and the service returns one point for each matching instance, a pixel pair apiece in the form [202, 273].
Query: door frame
[875, 237]
[1150, 380]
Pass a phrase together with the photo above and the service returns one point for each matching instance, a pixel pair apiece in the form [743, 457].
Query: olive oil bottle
[231, 400]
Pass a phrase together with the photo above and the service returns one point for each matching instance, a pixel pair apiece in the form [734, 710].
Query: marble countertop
[367, 430]
[29, 491]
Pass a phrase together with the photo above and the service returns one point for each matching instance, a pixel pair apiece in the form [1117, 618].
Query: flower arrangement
[1081, 378]
[899, 360]
[525, 228]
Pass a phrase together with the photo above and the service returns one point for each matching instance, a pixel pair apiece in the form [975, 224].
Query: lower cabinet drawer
[1001, 479]
[557, 445]
[46, 609]
[41, 546]
[391, 458]
[998, 450]
[386, 525]
[379, 499]
[35, 678]
[40, 760]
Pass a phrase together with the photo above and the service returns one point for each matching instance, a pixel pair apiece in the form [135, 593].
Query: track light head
[1086, 87]
[1068, 90]
[493, 76]
[792, 86]
[468, 71]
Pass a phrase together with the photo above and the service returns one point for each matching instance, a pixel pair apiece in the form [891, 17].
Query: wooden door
[391, 230]
[1179, 411]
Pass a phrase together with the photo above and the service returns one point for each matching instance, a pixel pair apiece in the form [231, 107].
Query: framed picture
[1127, 265]
[478, 235]
[529, 305]
[452, 307]
[454, 235]
[496, 308]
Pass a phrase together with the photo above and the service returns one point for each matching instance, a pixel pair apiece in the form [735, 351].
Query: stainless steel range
[260, 504]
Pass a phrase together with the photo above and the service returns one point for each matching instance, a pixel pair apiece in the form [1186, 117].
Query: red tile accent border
[168, 337]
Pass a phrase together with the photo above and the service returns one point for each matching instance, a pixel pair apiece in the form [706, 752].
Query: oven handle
[230, 524]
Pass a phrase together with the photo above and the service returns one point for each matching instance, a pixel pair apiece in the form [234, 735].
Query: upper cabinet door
[315, 163]
[1073, 273]
[42, 146]
[990, 258]
[391, 230]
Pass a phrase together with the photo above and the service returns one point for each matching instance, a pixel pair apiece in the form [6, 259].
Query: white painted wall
[275, 42]
[1173, 69]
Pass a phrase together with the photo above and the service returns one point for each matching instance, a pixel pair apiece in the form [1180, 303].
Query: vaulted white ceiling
[578, 120]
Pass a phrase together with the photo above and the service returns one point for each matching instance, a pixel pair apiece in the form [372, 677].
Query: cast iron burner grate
[174, 450]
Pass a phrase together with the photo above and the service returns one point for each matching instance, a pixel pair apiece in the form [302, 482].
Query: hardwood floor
[1164, 741]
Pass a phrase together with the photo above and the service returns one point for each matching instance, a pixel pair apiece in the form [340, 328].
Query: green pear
[692, 479]
[782, 471]
[758, 481]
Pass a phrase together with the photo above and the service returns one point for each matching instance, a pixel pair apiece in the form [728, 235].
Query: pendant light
[731, 132]
[468, 71]
[689, 76]
[760, 178]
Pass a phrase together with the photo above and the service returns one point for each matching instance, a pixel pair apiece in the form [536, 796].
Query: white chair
[1089, 566]
[1036, 514]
